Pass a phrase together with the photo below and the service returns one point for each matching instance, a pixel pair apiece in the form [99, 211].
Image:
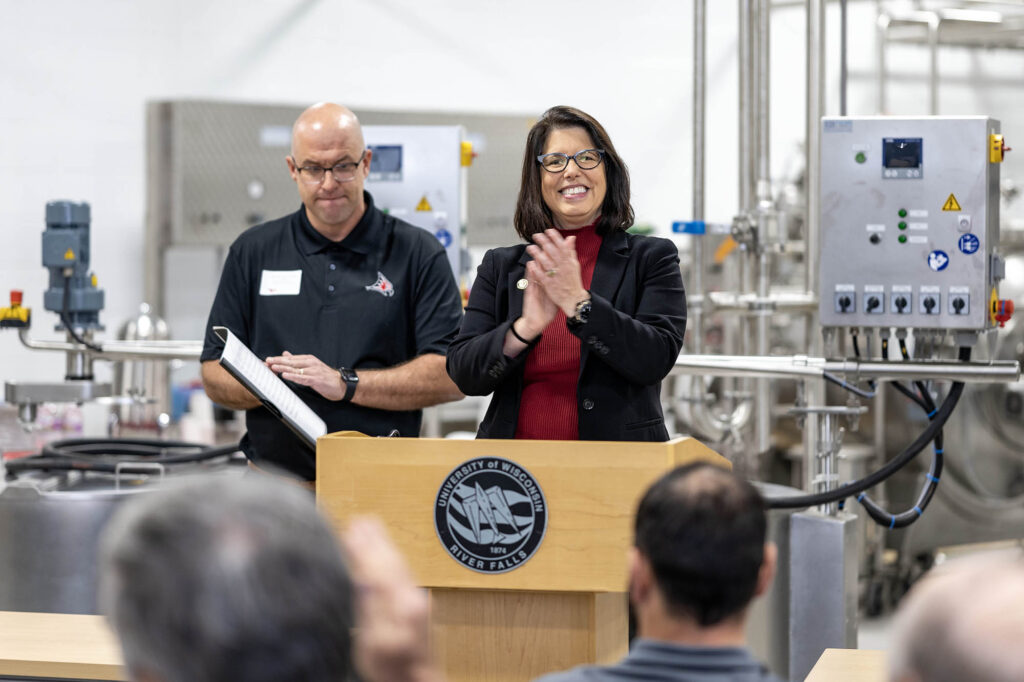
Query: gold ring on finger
[552, 272]
[302, 371]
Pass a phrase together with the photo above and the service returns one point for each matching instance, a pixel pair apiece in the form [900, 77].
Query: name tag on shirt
[280, 282]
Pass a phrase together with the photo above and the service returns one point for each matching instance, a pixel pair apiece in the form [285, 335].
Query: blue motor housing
[66, 256]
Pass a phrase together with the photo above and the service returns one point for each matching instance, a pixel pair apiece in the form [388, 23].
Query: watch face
[582, 314]
[349, 376]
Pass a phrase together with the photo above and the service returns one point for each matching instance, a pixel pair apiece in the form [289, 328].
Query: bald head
[325, 120]
[328, 136]
[964, 621]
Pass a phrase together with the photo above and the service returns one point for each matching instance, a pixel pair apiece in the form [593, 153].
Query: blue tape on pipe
[690, 226]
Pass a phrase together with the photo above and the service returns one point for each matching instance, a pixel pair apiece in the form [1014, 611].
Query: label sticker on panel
[951, 204]
[938, 260]
[424, 205]
[444, 236]
[968, 243]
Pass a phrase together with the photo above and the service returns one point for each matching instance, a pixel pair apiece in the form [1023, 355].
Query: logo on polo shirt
[382, 286]
[490, 514]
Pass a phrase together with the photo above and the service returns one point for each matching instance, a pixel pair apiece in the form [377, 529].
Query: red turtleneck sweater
[547, 410]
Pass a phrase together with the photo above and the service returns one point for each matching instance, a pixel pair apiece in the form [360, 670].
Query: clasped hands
[555, 282]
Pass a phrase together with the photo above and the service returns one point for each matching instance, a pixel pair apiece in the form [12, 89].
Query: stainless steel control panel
[909, 221]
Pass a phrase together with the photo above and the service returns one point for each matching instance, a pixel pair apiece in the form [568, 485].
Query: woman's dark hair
[532, 214]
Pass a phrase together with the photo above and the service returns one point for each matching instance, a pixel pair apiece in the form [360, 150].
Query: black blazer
[629, 343]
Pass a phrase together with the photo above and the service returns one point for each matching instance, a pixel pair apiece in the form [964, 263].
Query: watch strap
[351, 381]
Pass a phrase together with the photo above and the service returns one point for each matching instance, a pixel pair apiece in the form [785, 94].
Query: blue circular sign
[444, 236]
[938, 260]
[969, 243]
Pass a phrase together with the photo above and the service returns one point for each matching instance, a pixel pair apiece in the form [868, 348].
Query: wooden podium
[563, 606]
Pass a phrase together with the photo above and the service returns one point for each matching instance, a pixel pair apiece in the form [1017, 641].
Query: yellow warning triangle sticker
[951, 204]
[424, 205]
[69, 255]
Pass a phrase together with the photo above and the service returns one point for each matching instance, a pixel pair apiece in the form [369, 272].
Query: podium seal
[490, 515]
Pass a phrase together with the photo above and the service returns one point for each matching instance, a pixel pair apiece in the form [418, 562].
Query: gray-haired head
[227, 580]
[964, 621]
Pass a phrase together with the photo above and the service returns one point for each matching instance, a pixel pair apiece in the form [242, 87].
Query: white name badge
[280, 282]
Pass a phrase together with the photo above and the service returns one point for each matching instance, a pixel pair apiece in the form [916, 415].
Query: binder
[283, 403]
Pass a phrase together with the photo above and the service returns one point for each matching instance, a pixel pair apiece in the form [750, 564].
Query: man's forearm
[224, 389]
[421, 382]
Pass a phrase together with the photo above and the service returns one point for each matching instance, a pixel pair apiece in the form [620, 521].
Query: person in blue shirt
[700, 558]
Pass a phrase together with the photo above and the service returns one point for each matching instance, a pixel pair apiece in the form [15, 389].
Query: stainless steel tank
[50, 526]
[51, 518]
[48, 545]
[144, 386]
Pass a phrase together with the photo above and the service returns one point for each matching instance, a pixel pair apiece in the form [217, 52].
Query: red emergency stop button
[16, 297]
[1002, 310]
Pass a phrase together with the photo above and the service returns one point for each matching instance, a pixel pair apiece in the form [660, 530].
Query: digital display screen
[386, 159]
[386, 162]
[901, 152]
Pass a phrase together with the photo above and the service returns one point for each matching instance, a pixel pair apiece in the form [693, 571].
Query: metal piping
[813, 391]
[765, 219]
[802, 366]
[733, 302]
[122, 350]
[697, 294]
[934, 24]
[815, 110]
[746, 123]
[702, 416]
[884, 21]
[762, 388]
[762, 80]
[843, 71]
[699, 411]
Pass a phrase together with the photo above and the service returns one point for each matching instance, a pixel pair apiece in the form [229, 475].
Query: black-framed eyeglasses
[555, 162]
[342, 172]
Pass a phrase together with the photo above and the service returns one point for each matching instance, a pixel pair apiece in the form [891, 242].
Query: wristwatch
[582, 314]
[351, 380]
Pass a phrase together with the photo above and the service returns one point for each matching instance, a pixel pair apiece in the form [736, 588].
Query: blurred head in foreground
[227, 580]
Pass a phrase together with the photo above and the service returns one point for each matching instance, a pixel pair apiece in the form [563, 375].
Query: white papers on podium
[275, 395]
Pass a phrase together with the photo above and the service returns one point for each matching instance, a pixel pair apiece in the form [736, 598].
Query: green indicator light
[861, 157]
[903, 213]
[903, 225]
[903, 239]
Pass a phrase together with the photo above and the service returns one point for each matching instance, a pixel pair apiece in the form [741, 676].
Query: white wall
[76, 76]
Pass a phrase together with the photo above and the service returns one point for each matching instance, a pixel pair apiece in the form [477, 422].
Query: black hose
[853, 488]
[912, 396]
[905, 518]
[106, 455]
[850, 387]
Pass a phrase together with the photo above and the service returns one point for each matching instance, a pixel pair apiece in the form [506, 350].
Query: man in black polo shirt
[351, 306]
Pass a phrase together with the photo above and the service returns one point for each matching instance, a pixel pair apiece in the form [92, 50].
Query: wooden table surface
[850, 665]
[68, 646]
[58, 645]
